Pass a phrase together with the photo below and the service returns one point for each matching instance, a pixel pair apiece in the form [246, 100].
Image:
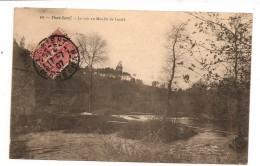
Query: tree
[177, 46]
[139, 81]
[93, 51]
[119, 70]
[155, 83]
[162, 85]
[199, 99]
[226, 52]
[22, 42]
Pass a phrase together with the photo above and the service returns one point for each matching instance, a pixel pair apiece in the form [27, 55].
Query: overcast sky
[137, 41]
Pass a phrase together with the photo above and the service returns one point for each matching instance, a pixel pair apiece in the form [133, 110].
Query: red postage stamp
[54, 54]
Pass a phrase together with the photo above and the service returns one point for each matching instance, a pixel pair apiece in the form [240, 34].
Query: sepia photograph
[130, 86]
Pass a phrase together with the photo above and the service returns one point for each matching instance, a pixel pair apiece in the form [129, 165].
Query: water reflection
[221, 126]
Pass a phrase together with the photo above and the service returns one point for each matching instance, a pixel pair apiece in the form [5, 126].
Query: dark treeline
[213, 102]
[118, 92]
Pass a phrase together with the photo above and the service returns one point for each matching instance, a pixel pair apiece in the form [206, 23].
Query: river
[221, 127]
[210, 145]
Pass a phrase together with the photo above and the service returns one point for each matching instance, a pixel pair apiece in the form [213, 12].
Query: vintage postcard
[131, 86]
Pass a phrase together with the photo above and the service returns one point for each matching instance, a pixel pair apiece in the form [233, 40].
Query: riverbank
[58, 145]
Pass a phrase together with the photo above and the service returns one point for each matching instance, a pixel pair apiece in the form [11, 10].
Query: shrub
[238, 144]
[129, 151]
[155, 130]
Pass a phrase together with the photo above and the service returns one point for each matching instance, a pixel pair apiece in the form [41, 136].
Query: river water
[221, 127]
[210, 145]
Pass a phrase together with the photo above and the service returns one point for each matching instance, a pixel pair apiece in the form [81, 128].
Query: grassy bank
[153, 130]
[57, 145]
[156, 130]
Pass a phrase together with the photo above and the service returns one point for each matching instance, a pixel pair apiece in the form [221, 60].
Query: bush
[116, 149]
[238, 144]
[155, 130]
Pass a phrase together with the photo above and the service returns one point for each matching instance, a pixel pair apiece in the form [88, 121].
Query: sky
[136, 39]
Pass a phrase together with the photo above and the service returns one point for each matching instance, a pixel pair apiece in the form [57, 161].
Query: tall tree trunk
[237, 93]
[90, 90]
[238, 112]
[168, 102]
